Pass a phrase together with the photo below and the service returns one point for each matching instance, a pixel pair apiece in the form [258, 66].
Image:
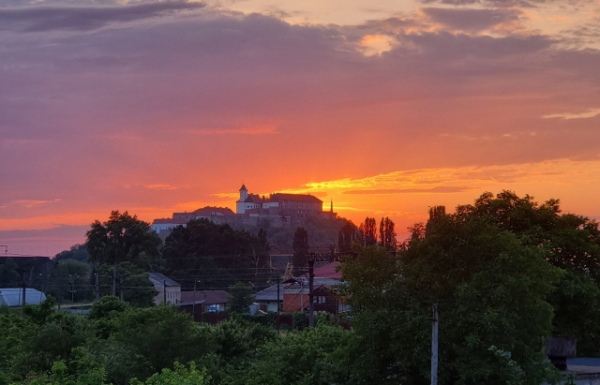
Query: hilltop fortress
[277, 210]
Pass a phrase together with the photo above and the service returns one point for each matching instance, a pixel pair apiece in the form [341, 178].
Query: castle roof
[253, 198]
[278, 197]
[210, 210]
[170, 221]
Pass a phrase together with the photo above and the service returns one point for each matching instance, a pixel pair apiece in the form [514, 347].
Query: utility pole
[434, 346]
[97, 286]
[24, 299]
[278, 315]
[114, 288]
[311, 305]
[194, 303]
[121, 291]
[72, 291]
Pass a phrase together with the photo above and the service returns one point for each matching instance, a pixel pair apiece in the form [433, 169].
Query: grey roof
[269, 294]
[208, 297]
[13, 296]
[159, 280]
[298, 288]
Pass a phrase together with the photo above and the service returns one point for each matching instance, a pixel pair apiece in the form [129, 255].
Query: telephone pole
[121, 291]
[434, 346]
[97, 285]
[114, 288]
[311, 305]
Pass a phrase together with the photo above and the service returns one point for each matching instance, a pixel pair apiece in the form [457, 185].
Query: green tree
[180, 375]
[490, 289]
[123, 238]
[576, 303]
[240, 298]
[302, 357]
[300, 246]
[76, 252]
[131, 281]
[147, 340]
[571, 242]
[216, 255]
[9, 274]
[70, 275]
[106, 306]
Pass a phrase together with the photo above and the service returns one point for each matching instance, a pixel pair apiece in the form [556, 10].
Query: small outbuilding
[169, 291]
[13, 297]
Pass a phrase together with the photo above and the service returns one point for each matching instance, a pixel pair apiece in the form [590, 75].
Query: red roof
[295, 197]
[328, 271]
[208, 210]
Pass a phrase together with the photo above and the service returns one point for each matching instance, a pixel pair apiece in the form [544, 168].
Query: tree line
[505, 273]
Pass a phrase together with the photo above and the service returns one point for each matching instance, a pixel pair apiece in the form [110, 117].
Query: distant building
[203, 301]
[169, 291]
[13, 297]
[268, 300]
[278, 210]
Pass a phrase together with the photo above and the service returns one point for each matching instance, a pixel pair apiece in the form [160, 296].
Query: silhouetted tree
[368, 230]
[346, 237]
[387, 234]
[300, 246]
[122, 238]
[9, 274]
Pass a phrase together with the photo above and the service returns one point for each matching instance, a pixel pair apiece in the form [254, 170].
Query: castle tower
[243, 193]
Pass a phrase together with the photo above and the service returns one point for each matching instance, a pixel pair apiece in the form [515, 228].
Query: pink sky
[155, 107]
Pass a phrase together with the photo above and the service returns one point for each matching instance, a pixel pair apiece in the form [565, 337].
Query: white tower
[240, 205]
[243, 193]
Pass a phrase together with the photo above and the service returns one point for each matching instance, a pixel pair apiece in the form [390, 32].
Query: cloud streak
[84, 18]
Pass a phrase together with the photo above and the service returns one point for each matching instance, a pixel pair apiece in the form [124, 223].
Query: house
[268, 300]
[169, 291]
[205, 301]
[13, 297]
[296, 296]
[167, 224]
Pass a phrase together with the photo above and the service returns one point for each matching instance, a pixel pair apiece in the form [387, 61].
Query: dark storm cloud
[471, 20]
[84, 18]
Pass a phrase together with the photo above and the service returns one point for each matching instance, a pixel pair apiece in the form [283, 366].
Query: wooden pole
[97, 285]
[434, 346]
[311, 305]
[114, 288]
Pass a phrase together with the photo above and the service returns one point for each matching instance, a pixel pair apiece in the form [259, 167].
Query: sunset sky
[385, 107]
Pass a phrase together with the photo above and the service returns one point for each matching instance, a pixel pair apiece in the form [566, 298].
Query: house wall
[268, 306]
[173, 295]
[165, 226]
[293, 302]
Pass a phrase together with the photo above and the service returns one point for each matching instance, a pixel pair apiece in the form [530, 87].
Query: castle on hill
[278, 210]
